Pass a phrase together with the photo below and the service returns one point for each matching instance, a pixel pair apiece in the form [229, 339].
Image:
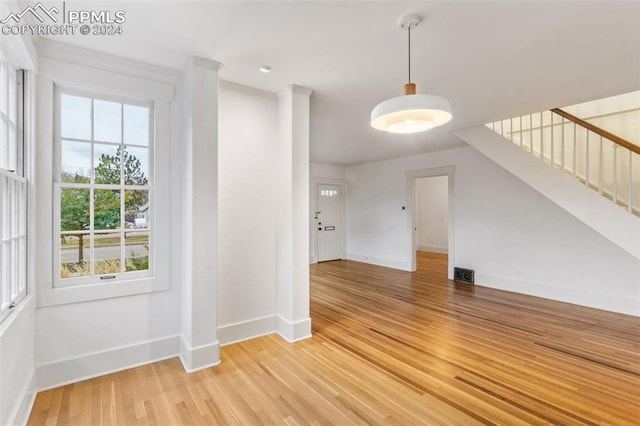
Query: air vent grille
[464, 275]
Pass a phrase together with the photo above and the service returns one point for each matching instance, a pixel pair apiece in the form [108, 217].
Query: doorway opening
[432, 220]
[432, 224]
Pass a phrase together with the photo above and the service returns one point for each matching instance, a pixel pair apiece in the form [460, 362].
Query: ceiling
[491, 59]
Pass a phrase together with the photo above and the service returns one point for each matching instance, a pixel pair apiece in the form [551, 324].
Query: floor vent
[463, 275]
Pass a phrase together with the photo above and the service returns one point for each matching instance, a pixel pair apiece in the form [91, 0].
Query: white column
[292, 244]
[199, 346]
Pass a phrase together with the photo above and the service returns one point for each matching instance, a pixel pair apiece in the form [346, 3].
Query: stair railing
[595, 157]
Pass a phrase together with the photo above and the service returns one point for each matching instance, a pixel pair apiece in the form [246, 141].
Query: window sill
[88, 292]
[26, 304]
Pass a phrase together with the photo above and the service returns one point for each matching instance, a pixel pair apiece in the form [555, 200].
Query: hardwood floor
[390, 347]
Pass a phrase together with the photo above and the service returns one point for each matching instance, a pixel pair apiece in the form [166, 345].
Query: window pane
[23, 264]
[3, 86]
[12, 144]
[105, 229]
[107, 121]
[76, 161]
[107, 252]
[137, 250]
[106, 209]
[136, 204]
[12, 107]
[13, 268]
[22, 210]
[5, 201]
[107, 163]
[13, 210]
[4, 274]
[4, 144]
[74, 256]
[75, 117]
[74, 209]
[136, 166]
[136, 125]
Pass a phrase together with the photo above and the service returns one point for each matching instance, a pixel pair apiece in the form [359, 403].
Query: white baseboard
[100, 363]
[433, 249]
[21, 413]
[576, 297]
[238, 332]
[387, 263]
[294, 331]
[198, 358]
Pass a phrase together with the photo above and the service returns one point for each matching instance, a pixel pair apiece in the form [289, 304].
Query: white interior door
[329, 222]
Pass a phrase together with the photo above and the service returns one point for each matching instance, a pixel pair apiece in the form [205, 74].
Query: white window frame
[13, 192]
[72, 68]
[111, 278]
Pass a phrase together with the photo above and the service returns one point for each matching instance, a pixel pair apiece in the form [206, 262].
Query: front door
[329, 222]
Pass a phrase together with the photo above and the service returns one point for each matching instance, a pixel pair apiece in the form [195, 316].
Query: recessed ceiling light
[265, 68]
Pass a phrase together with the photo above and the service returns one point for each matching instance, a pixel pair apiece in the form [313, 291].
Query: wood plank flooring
[390, 347]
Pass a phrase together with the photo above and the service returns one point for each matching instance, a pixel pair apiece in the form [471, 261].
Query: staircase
[589, 172]
[600, 160]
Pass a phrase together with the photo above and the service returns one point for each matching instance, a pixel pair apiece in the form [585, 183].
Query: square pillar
[292, 228]
[199, 346]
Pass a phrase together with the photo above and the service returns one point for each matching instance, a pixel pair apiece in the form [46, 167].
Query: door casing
[412, 175]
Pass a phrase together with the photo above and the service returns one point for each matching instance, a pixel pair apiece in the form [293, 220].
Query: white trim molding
[97, 364]
[22, 411]
[200, 357]
[102, 61]
[432, 249]
[246, 330]
[574, 296]
[55, 72]
[387, 263]
[412, 175]
[294, 331]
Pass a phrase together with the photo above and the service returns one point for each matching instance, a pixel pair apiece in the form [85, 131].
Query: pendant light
[412, 112]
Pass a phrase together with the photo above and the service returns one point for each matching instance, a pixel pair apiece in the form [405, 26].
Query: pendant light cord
[409, 31]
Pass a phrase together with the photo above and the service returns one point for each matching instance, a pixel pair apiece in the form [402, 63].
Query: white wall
[512, 236]
[17, 382]
[328, 171]
[247, 213]
[617, 114]
[432, 211]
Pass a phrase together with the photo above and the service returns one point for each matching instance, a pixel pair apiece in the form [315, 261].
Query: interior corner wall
[327, 171]
[17, 378]
[431, 214]
[512, 236]
[247, 213]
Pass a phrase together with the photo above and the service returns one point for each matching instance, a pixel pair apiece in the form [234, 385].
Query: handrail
[597, 130]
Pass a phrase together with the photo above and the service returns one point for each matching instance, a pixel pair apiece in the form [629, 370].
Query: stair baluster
[612, 172]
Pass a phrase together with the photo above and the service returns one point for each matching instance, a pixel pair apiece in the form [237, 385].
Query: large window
[13, 190]
[104, 186]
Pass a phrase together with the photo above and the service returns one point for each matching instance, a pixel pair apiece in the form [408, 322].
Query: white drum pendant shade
[411, 113]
